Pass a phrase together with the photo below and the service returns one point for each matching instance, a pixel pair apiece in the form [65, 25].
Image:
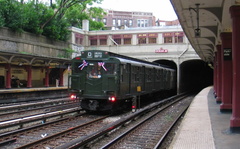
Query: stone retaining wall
[28, 43]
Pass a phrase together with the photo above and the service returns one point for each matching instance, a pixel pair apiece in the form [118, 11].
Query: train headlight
[73, 96]
[112, 99]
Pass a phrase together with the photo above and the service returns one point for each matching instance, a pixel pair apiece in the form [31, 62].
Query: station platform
[204, 126]
[13, 95]
[19, 90]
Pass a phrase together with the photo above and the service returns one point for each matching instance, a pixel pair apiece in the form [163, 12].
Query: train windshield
[95, 69]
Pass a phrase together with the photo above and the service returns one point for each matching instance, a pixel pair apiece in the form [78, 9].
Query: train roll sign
[94, 54]
[161, 50]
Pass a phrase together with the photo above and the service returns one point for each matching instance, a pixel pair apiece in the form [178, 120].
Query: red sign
[161, 50]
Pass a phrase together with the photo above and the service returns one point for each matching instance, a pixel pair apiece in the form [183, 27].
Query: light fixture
[197, 31]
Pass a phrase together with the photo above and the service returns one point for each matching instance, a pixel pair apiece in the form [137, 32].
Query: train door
[128, 69]
[161, 79]
[93, 84]
[154, 79]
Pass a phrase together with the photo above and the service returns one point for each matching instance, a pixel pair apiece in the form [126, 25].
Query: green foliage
[22, 17]
[57, 29]
[11, 11]
[67, 54]
[35, 15]
[96, 12]
[76, 14]
[50, 21]
[95, 25]
[1, 21]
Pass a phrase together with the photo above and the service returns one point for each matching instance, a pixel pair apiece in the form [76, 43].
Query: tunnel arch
[168, 63]
[194, 74]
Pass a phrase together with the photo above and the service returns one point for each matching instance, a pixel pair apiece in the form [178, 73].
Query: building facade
[149, 43]
[120, 19]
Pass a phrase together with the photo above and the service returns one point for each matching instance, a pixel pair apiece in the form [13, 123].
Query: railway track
[142, 118]
[20, 114]
[55, 133]
[25, 122]
[144, 127]
[25, 115]
[18, 107]
[67, 135]
[151, 130]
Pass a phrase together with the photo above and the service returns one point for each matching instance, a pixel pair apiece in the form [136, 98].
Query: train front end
[95, 80]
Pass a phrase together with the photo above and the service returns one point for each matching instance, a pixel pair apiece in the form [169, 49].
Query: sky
[161, 9]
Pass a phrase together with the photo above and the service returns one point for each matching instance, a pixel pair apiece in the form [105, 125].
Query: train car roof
[126, 59]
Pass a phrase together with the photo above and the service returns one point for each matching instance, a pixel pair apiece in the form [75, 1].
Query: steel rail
[26, 105]
[48, 138]
[80, 142]
[47, 109]
[169, 129]
[14, 134]
[38, 117]
[141, 123]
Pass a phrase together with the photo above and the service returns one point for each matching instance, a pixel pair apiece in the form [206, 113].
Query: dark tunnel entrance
[194, 74]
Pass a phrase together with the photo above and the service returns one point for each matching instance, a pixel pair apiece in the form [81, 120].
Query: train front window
[94, 70]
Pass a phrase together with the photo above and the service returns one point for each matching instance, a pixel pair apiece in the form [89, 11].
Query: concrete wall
[28, 43]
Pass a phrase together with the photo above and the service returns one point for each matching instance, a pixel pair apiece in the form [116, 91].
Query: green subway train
[106, 81]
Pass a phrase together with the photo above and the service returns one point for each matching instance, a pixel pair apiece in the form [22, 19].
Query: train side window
[133, 73]
[137, 74]
[111, 68]
[122, 67]
[158, 75]
[128, 68]
[149, 76]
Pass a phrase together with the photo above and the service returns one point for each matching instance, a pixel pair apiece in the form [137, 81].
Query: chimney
[85, 25]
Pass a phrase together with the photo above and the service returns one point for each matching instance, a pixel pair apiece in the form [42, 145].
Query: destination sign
[94, 54]
[97, 54]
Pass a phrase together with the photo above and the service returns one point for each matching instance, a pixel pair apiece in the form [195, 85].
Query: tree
[75, 15]
[11, 14]
[51, 21]
[64, 5]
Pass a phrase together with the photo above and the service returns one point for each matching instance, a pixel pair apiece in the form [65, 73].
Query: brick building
[118, 19]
